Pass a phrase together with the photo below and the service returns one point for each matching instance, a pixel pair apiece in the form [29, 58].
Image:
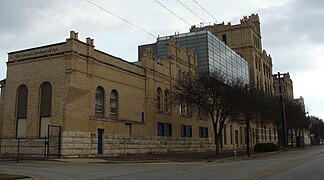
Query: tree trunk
[216, 138]
[217, 142]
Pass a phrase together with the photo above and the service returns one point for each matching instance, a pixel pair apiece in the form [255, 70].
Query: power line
[276, 68]
[191, 11]
[172, 12]
[128, 22]
[205, 10]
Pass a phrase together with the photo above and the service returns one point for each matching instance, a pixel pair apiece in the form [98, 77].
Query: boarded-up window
[21, 127]
[45, 121]
[22, 98]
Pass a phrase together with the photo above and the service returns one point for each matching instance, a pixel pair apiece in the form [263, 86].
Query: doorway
[100, 138]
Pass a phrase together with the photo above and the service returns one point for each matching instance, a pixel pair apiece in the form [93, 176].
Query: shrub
[265, 147]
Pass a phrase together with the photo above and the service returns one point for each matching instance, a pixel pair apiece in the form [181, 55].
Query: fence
[32, 148]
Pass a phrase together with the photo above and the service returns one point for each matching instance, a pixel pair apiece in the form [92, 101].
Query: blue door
[100, 136]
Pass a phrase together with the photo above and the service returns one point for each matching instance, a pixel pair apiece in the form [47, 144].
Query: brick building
[99, 100]
[105, 105]
[283, 86]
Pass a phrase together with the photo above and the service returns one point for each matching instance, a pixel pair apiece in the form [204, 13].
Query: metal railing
[16, 149]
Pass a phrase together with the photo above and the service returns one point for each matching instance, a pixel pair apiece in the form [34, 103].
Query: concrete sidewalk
[171, 157]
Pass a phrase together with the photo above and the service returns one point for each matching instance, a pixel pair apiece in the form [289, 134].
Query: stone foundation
[86, 144]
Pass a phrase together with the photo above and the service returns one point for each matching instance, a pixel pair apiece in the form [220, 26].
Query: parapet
[74, 35]
[267, 56]
[250, 19]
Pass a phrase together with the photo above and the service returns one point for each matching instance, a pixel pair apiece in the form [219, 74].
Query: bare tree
[207, 93]
[317, 128]
[251, 106]
[296, 119]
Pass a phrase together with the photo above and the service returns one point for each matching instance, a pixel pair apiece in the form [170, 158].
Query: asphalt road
[298, 164]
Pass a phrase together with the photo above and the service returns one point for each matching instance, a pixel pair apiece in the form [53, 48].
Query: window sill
[163, 112]
[113, 116]
[185, 116]
[115, 120]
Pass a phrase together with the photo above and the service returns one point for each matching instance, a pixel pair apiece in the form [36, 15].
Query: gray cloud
[20, 15]
[292, 31]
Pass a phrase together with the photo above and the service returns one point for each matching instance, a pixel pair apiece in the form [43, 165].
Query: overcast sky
[292, 30]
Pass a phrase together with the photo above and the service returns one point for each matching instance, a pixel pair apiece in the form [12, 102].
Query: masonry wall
[75, 69]
[33, 73]
[86, 143]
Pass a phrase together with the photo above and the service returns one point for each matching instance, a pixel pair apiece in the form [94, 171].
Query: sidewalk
[172, 157]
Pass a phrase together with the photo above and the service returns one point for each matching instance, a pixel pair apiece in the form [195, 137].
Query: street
[296, 164]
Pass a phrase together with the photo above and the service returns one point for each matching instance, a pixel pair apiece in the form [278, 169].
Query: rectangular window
[245, 135]
[164, 129]
[224, 39]
[183, 131]
[231, 134]
[160, 129]
[184, 109]
[113, 106]
[253, 136]
[186, 131]
[168, 130]
[21, 127]
[241, 135]
[45, 121]
[225, 137]
[203, 132]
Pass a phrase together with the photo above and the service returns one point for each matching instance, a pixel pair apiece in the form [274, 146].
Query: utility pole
[283, 113]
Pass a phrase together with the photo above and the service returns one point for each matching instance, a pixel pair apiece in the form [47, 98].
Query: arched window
[45, 108]
[158, 99]
[113, 102]
[99, 102]
[166, 101]
[22, 99]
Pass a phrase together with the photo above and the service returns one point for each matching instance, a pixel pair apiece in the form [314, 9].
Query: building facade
[105, 105]
[212, 54]
[245, 40]
[283, 86]
[99, 100]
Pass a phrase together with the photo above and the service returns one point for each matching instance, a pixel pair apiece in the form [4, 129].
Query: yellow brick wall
[75, 69]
